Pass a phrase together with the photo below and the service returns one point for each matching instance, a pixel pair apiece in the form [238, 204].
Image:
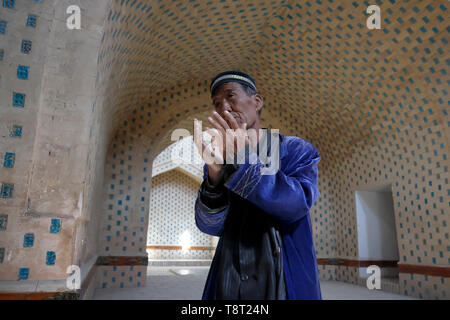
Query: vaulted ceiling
[323, 74]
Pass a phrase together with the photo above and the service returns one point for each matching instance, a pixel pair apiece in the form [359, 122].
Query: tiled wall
[23, 48]
[172, 202]
[177, 173]
[425, 286]
[164, 211]
[46, 99]
[413, 161]
[127, 190]
[121, 276]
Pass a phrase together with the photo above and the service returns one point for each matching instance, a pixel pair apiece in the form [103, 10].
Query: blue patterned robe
[288, 196]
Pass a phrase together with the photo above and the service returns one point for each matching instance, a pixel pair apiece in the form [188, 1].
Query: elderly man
[266, 248]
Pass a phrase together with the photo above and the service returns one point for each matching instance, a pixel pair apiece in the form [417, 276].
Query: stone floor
[186, 283]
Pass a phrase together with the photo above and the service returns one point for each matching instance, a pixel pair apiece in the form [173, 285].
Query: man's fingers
[212, 131]
[209, 152]
[217, 140]
[216, 125]
[221, 120]
[212, 153]
[197, 135]
[234, 124]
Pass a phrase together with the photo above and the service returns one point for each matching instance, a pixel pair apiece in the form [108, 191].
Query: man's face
[232, 97]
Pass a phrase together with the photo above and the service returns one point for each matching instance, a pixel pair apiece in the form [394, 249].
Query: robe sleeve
[211, 206]
[287, 195]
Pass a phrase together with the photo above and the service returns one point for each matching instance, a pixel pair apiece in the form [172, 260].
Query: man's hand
[213, 149]
[220, 142]
[236, 132]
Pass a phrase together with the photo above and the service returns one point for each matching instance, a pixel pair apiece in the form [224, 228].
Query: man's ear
[259, 102]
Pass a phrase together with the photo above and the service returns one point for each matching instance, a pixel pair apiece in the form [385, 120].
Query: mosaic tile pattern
[424, 286]
[172, 200]
[126, 205]
[327, 272]
[121, 276]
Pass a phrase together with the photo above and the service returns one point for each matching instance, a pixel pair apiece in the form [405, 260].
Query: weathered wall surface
[50, 209]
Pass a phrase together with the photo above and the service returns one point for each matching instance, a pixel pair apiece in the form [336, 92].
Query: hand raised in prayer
[234, 134]
[211, 153]
[227, 134]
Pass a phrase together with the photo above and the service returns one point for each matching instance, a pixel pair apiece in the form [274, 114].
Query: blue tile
[16, 131]
[26, 46]
[7, 190]
[9, 160]
[3, 222]
[18, 100]
[23, 273]
[28, 240]
[50, 259]
[8, 4]
[22, 72]
[32, 21]
[55, 226]
[3, 25]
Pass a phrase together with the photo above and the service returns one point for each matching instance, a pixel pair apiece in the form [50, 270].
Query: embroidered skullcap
[232, 76]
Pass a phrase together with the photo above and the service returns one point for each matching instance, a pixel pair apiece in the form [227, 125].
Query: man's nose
[224, 106]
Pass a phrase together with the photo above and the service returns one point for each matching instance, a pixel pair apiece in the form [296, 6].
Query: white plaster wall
[377, 239]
